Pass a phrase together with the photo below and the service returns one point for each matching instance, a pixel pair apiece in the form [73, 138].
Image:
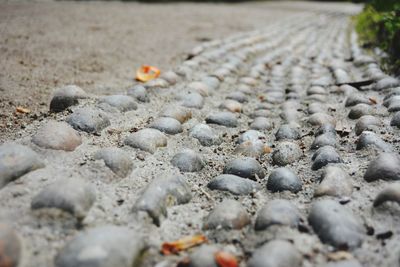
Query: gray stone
[70, 195]
[167, 125]
[193, 100]
[238, 96]
[199, 87]
[387, 82]
[386, 167]
[343, 263]
[394, 106]
[188, 161]
[102, 246]
[389, 193]
[367, 122]
[335, 182]
[223, 118]
[277, 212]
[233, 184]
[138, 92]
[89, 120]
[121, 102]
[283, 179]
[318, 119]
[162, 192]
[11, 247]
[57, 135]
[316, 108]
[253, 149]
[227, 215]
[251, 135]
[65, 97]
[395, 121]
[391, 100]
[205, 134]
[368, 139]
[355, 99]
[212, 82]
[323, 156]
[204, 257]
[170, 76]
[326, 139]
[335, 225]
[147, 139]
[285, 153]
[316, 90]
[263, 113]
[287, 131]
[245, 167]
[359, 110]
[231, 105]
[15, 161]
[261, 123]
[116, 159]
[276, 253]
[179, 113]
[326, 128]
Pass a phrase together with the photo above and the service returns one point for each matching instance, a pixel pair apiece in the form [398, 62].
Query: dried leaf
[373, 100]
[182, 244]
[22, 110]
[146, 73]
[267, 149]
[225, 259]
[339, 255]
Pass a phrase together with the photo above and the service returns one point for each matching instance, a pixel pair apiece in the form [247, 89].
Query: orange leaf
[146, 73]
[182, 244]
[225, 259]
[22, 110]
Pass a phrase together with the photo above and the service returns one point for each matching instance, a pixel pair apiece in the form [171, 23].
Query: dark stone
[116, 159]
[359, 110]
[283, 179]
[277, 212]
[395, 121]
[65, 97]
[245, 167]
[228, 214]
[324, 156]
[287, 132]
[188, 161]
[390, 193]
[233, 184]
[88, 120]
[355, 99]
[326, 139]
[167, 125]
[223, 118]
[367, 122]
[386, 167]
[147, 140]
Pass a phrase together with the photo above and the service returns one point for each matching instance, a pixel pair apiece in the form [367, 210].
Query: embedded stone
[287, 131]
[121, 102]
[229, 214]
[15, 161]
[205, 134]
[368, 139]
[179, 113]
[65, 97]
[103, 246]
[367, 123]
[188, 161]
[211, 81]
[323, 156]
[70, 195]
[139, 92]
[231, 105]
[58, 136]
[316, 90]
[261, 123]
[167, 125]
[318, 119]
[387, 82]
[395, 121]
[359, 110]
[253, 148]
[283, 179]
[116, 159]
[223, 118]
[193, 100]
[233, 184]
[343, 263]
[390, 193]
[316, 108]
[147, 139]
[335, 182]
[336, 225]
[11, 247]
[161, 193]
[278, 212]
[386, 167]
[326, 139]
[238, 96]
[355, 99]
[245, 167]
[89, 120]
[202, 88]
[170, 76]
[285, 153]
[326, 129]
[204, 256]
[251, 135]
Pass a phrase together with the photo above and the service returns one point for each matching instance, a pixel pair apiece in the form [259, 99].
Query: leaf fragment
[185, 243]
[146, 73]
[225, 259]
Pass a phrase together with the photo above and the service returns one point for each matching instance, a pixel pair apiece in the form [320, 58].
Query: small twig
[206, 194]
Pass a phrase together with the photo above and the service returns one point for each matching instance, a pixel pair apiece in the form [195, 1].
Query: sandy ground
[98, 46]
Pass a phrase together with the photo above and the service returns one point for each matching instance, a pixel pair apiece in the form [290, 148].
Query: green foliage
[379, 26]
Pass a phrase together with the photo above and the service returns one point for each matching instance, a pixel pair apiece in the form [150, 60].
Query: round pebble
[318, 119]
[65, 97]
[89, 120]
[147, 140]
[233, 184]
[261, 123]
[179, 113]
[227, 215]
[395, 121]
[223, 118]
[139, 92]
[121, 102]
[359, 110]
[193, 100]
[167, 125]
[386, 167]
[188, 161]
[116, 159]
[277, 212]
[287, 131]
[335, 182]
[283, 179]
[205, 134]
[245, 167]
[370, 139]
[276, 253]
[323, 156]
[286, 153]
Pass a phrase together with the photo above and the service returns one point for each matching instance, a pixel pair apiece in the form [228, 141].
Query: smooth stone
[395, 121]
[238, 96]
[316, 108]
[223, 118]
[202, 88]
[335, 182]
[316, 90]
[318, 119]
[335, 225]
[317, 98]
[58, 136]
[167, 125]
[264, 113]
[212, 82]
[285, 153]
[11, 247]
[170, 76]
[65, 97]
[276, 253]
[15, 161]
[387, 82]
[205, 134]
[277, 212]
[252, 149]
[385, 167]
[229, 214]
[138, 92]
[161, 193]
[188, 161]
[359, 110]
[389, 193]
[102, 246]
[245, 89]
[121, 102]
[283, 179]
[248, 81]
[392, 100]
[343, 263]
[231, 105]
[326, 129]
[394, 106]
[287, 131]
[204, 257]
[70, 195]
[147, 139]
[156, 84]
[245, 167]
[355, 99]
[116, 159]
[193, 100]
[261, 123]
[179, 113]
[89, 120]
[326, 139]
[251, 135]
[323, 156]
[368, 139]
[367, 123]
[393, 92]
[233, 184]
